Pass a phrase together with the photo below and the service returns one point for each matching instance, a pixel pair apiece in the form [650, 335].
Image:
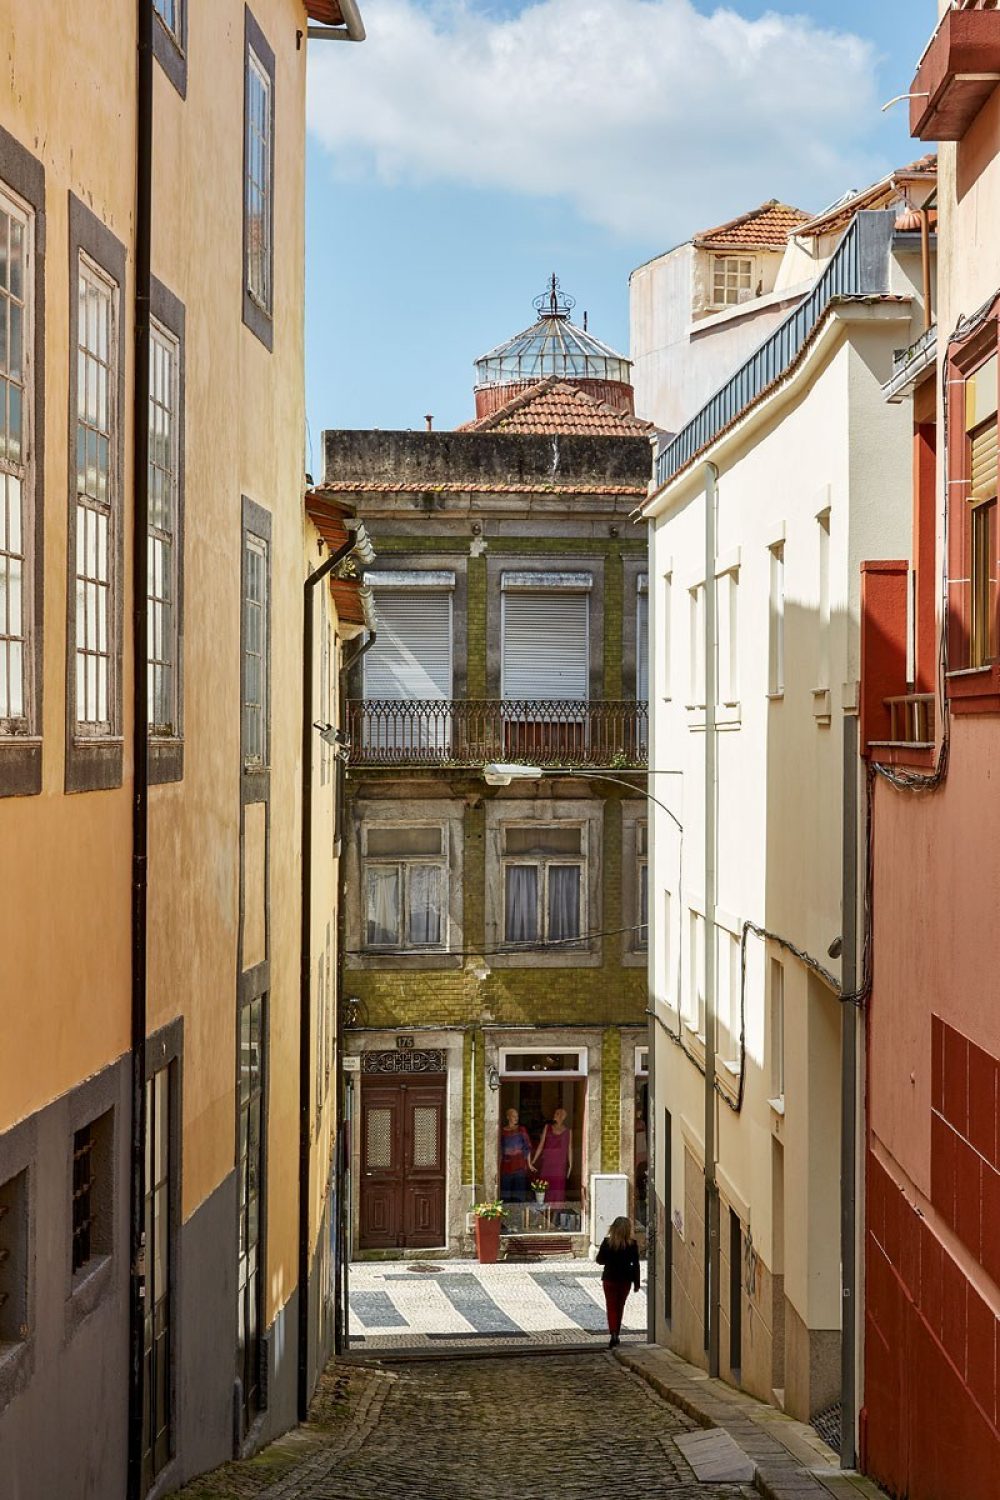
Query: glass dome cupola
[553, 346]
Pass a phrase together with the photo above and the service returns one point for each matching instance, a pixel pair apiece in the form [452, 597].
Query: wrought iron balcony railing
[473, 732]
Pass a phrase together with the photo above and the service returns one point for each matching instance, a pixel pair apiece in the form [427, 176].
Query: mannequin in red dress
[553, 1159]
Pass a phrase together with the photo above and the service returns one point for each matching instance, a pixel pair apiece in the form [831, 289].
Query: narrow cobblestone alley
[575, 1427]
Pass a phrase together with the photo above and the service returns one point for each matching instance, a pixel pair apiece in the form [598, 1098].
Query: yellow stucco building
[166, 1089]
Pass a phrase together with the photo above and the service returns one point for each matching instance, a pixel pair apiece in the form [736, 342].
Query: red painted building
[931, 733]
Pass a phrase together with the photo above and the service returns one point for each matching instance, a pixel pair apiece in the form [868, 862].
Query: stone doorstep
[789, 1459]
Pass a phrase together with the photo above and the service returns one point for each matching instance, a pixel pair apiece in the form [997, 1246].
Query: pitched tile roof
[558, 406]
[882, 194]
[765, 228]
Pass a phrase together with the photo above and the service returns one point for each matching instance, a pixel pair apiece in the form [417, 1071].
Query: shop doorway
[402, 1163]
[537, 1084]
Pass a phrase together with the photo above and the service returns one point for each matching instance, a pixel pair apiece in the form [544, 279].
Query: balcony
[473, 732]
[911, 720]
[956, 75]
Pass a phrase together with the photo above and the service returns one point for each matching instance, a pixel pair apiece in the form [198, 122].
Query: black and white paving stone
[401, 1304]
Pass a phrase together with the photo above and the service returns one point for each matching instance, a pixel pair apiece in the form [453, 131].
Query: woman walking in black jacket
[619, 1255]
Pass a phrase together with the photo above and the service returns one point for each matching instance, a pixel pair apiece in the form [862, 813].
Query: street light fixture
[499, 773]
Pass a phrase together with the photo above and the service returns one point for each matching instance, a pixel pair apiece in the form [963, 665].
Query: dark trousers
[615, 1297]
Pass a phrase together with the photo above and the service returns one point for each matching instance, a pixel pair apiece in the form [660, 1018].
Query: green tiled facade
[593, 996]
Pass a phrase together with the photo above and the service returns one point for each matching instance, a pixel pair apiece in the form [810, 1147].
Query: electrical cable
[529, 946]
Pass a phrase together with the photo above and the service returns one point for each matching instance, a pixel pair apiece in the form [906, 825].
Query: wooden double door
[402, 1162]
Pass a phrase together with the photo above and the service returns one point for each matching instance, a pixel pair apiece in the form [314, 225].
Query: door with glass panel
[402, 1163]
[157, 1330]
[250, 1107]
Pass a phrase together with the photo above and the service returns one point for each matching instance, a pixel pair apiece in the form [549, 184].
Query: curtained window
[543, 884]
[405, 887]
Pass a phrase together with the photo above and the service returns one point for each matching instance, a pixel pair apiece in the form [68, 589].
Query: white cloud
[648, 116]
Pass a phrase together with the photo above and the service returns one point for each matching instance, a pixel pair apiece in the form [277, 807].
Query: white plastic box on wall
[608, 1201]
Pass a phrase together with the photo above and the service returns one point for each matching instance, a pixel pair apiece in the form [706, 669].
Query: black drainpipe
[305, 967]
[140, 727]
[340, 1164]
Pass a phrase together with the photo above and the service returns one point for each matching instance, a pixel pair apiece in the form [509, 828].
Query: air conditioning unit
[608, 1201]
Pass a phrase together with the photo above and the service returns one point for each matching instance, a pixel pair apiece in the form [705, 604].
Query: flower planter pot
[488, 1240]
[540, 1197]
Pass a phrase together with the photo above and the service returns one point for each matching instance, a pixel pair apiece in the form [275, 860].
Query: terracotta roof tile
[475, 486]
[882, 194]
[558, 406]
[765, 228]
[327, 12]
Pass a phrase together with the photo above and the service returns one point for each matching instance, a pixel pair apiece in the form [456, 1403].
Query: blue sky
[471, 147]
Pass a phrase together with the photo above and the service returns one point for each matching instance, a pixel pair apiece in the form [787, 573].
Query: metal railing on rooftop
[860, 268]
[473, 732]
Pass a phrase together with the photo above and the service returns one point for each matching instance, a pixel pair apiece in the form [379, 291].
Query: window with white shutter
[545, 636]
[412, 654]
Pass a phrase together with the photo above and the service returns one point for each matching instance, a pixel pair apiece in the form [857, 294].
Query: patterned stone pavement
[558, 1427]
[414, 1305]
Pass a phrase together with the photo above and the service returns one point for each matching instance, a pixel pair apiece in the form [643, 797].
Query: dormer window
[732, 280]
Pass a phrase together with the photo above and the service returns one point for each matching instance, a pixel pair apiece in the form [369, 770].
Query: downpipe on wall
[849, 1022]
[310, 584]
[140, 734]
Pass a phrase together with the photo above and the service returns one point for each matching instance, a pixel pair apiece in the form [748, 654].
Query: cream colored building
[698, 310]
[765, 505]
[151, 1075]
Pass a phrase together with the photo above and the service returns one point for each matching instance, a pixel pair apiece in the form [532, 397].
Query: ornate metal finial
[554, 303]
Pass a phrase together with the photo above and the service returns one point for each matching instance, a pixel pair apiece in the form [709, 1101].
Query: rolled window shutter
[411, 657]
[984, 461]
[545, 646]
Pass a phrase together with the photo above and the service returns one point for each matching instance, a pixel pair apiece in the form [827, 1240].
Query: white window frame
[403, 864]
[252, 760]
[642, 1062]
[167, 536]
[823, 589]
[666, 633]
[696, 653]
[731, 275]
[258, 74]
[776, 997]
[694, 1017]
[109, 510]
[544, 863]
[17, 489]
[581, 1070]
[776, 621]
[727, 649]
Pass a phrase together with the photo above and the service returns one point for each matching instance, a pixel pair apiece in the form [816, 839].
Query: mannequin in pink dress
[553, 1159]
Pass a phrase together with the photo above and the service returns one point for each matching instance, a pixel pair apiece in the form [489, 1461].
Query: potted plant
[540, 1187]
[488, 1222]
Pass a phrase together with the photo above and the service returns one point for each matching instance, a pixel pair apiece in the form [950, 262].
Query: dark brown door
[402, 1164]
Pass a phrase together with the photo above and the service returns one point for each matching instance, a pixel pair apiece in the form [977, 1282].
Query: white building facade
[766, 505]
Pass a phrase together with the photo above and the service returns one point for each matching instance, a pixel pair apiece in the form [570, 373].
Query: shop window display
[542, 1139]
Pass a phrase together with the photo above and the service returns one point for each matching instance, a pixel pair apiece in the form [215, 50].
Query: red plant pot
[487, 1240]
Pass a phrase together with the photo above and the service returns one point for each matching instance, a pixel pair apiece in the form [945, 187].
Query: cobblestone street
[575, 1427]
